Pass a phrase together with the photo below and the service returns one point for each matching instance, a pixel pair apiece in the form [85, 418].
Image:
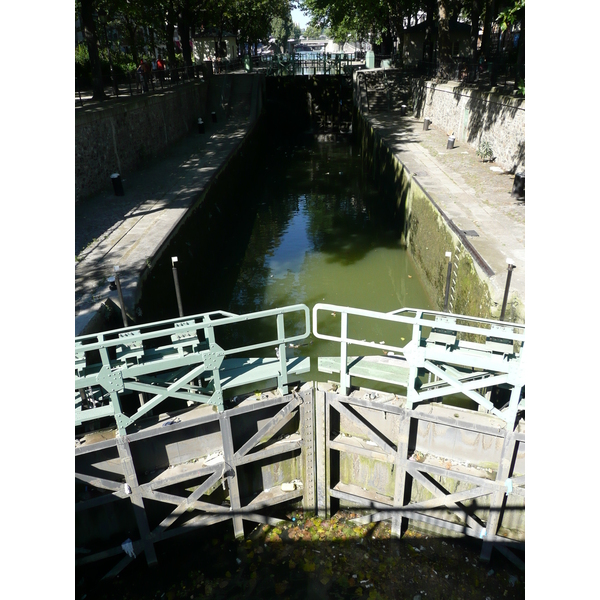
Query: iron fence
[133, 84]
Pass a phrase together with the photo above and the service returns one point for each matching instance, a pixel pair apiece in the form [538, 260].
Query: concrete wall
[424, 231]
[474, 117]
[126, 133]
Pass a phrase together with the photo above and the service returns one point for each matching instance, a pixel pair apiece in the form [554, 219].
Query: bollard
[426, 124]
[117, 184]
[213, 116]
[450, 143]
[518, 189]
[201, 128]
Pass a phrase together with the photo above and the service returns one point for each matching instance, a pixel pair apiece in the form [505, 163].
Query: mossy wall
[422, 228]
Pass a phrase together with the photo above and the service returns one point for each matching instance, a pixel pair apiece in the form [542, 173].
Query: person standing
[141, 73]
[147, 74]
[160, 67]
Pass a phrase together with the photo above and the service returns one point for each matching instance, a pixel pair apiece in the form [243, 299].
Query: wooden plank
[178, 474]
[231, 474]
[188, 503]
[277, 448]
[354, 445]
[438, 490]
[274, 424]
[354, 493]
[184, 503]
[497, 500]
[400, 474]
[272, 497]
[83, 505]
[136, 498]
[450, 499]
[99, 482]
[95, 446]
[414, 468]
[358, 419]
[322, 452]
[193, 523]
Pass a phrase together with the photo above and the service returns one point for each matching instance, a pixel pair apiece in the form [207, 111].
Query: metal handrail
[189, 353]
[421, 319]
[440, 340]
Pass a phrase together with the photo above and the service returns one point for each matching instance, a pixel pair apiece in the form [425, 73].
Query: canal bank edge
[428, 233]
[98, 302]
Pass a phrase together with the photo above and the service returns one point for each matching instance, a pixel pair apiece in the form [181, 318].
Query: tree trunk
[475, 15]
[170, 31]
[521, 53]
[183, 26]
[131, 29]
[91, 39]
[490, 15]
[444, 62]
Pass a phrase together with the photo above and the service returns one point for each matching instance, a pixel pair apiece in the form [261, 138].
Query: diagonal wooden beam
[280, 419]
[186, 503]
[137, 501]
[206, 507]
[355, 417]
[100, 483]
[437, 489]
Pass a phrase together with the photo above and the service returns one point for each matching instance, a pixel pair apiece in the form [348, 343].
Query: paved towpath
[128, 231]
[474, 195]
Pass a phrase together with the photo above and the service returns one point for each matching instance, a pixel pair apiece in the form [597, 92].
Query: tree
[88, 27]
[509, 17]
[281, 30]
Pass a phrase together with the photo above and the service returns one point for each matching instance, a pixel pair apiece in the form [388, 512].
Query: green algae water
[306, 225]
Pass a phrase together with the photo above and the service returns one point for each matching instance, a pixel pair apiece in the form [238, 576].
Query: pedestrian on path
[143, 72]
[160, 67]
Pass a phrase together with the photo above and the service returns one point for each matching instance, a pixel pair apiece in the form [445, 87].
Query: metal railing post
[511, 266]
[448, 277]
[344, 379]
[176, 281]
[119, 291]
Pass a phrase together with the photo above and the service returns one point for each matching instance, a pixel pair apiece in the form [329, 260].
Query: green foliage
[511, 15]
[485, 151]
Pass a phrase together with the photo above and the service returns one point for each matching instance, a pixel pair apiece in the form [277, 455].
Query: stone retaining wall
[474, 117]
[424, 231]
[127, 132]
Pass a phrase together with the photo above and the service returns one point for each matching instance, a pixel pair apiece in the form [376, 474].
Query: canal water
[301, 223]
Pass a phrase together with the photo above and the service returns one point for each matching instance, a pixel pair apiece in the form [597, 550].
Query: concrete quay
[473, 196]
[129, 231]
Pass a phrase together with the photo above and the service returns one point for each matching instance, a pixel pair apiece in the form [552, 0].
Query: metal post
[118, 282]
[448, 275]
[176, 280]
[511, 266]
